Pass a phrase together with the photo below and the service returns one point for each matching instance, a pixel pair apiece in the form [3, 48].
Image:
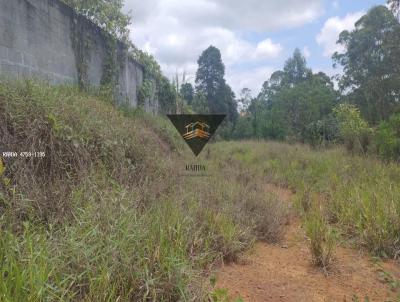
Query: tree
[210, 78]
[295, 70]
[293, 103]
[354, 130]
[211, 85]
[245, 99]
[187, 92]
[167, 95]
[371, 64]
[387, 138]
[107, 14]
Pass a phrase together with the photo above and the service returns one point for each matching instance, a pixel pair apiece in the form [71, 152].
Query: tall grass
[322, 238]
[105, 215]
[360, 195]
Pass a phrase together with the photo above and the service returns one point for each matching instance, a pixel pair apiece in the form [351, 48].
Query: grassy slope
[105, 215]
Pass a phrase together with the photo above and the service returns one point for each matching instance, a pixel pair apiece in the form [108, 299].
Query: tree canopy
[371, 64]
[211, 86]
[105, 13]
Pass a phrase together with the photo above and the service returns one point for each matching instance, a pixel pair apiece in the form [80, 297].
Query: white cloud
[267, 49]
[249, 78]
[176, 31]
[329, 33]
[259, 15]
[306, 52]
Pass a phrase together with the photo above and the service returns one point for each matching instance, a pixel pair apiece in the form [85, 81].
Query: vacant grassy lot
[358, 198]
[105, 215]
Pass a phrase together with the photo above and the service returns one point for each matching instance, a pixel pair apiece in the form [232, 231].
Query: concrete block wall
[38, 40]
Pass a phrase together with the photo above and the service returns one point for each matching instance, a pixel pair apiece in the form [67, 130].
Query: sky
[255, 37]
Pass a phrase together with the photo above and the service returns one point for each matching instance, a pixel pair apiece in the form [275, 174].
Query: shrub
[322, 132]
[353, 129]
[387, 138]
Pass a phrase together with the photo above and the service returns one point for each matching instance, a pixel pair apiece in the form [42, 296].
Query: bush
[387, 138]
[322, 132]
[353, 129]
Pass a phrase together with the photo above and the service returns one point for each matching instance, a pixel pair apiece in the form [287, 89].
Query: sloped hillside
[98, 210]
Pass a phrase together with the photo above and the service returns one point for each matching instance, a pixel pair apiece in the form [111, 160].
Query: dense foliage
[292, 104]
[105, 13]
[296, 104]
[212, 91]
[371, 64]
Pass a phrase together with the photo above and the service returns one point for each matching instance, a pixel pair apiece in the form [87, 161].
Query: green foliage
[210, 74]
[354, 130]
[370, 63]
[211, 85]
[387, 138]
[322, 132]
[167, 96]
[144, 92]
[321, 237]
[151, 66]
[165, 92]
[293, 105]
[295, 70]
[107, 14]
[200, 103]
[187, 92]
[243, 128]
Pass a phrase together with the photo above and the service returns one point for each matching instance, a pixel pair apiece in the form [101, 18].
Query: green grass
[360, 196]
[105, 215]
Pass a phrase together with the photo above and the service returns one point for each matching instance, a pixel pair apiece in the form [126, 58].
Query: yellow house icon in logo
[197, 129]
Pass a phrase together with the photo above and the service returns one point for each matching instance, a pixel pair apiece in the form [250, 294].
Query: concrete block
[15, 56]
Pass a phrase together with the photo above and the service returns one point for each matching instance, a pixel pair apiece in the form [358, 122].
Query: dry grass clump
[77, 133]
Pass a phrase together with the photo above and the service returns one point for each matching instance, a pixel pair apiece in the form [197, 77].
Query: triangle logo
[196, 129]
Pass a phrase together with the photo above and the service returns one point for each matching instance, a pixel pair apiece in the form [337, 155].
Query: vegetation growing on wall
[81, 45]
[107, 14]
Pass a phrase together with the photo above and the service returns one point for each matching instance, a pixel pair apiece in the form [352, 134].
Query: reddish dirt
[284, 272]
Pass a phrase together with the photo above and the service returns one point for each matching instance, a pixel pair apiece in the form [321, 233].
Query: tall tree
[187, 92]
[371, 64]
[245, 99]
[291, 101]
[295, 69]
[210, 78]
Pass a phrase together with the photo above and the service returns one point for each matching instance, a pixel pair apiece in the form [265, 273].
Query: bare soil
[284, 272]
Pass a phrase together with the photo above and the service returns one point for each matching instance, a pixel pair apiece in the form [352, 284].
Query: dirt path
[284, 273]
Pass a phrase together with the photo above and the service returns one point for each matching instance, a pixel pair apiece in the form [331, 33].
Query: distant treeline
[296, 104]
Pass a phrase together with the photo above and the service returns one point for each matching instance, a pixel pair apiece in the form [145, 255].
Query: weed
[321, 237]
